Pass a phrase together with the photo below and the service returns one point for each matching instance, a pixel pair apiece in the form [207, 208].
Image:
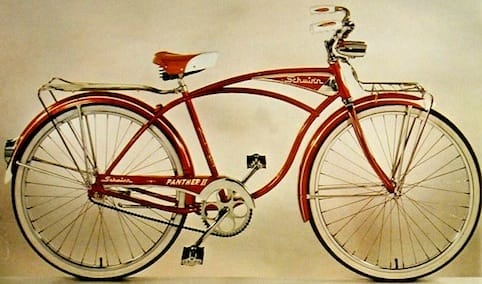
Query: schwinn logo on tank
[311, 81]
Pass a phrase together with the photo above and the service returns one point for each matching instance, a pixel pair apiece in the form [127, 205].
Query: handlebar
[341, 28]
[325, 9]
[329, 25]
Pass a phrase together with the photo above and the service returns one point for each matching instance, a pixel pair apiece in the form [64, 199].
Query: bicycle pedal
[192, 256]
[256, 161]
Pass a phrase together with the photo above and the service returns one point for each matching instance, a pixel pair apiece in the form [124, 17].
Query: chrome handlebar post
[347, 26]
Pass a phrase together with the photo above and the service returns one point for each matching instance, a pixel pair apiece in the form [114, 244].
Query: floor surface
[148, 280]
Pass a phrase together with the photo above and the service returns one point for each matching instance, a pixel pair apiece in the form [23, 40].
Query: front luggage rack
[385, 87]
[377, 88]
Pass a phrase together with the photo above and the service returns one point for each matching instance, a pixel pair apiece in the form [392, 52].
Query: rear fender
[106, 98]
[328, 125]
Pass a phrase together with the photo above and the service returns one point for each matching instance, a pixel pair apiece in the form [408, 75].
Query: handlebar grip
[325, 9]
[325, 26]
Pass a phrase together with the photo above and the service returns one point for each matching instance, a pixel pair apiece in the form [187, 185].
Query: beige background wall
[434, 42]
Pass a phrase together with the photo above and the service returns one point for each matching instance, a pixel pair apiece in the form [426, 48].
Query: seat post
[182, 85]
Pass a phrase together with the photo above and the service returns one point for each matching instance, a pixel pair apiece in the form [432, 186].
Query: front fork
[388, 183]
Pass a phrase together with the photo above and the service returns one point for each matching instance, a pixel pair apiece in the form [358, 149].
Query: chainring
[227, 194]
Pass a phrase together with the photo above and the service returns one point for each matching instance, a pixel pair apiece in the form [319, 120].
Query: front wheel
[108, 238]
[424, 223]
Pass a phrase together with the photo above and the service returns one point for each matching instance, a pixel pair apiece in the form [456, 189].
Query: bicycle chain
[158, 220]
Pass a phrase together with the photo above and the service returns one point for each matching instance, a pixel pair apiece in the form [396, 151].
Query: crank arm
[223, 213]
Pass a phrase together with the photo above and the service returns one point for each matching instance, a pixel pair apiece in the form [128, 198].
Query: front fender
[107, 98]
[328, 125]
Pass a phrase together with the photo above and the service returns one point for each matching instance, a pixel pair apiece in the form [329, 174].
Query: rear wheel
[110, 238]
[420, 227]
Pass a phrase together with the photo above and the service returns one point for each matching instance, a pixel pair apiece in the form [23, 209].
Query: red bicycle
[102, 182]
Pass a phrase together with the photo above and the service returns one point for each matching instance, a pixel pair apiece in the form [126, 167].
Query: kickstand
[195, 254]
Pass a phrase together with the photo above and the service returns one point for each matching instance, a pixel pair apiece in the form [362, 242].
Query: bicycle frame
[311, 79]
[307, 78]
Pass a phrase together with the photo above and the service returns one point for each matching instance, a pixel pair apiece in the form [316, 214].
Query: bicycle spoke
[401, 238]
[408, 167]
[91, 143]
[361, 170]
[56, 162]
[137, 222]
[359, 227]
[82, 142]
[421, 230]
[127, 131]
[420, 186]
[63, 144]
[52, 197]
[69, 227]
[88, 244]
[108, 238]
[108, 134]
[379, 140]
[69, 170]
[378, 219]
[413, 235]
[77, 145]
[141, 155]
[144, 157]
[58, 207]
[403, 136]
[434, 145]
[428, 209]
[390, 138]
[436, 175]
[82, 216]
[363, 209]
[126, 233]
[66, 148]
[51, 185]
[49, 173]
[379, 235]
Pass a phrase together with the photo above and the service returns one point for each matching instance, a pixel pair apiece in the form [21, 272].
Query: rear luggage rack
[60, 84]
